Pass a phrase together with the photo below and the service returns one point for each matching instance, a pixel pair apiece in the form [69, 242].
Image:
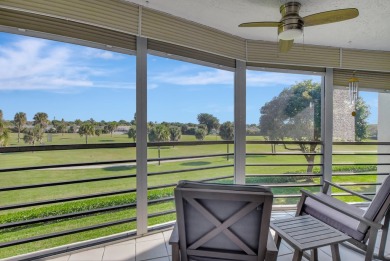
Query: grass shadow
[107, 140]
[120, 168]
[196, 163]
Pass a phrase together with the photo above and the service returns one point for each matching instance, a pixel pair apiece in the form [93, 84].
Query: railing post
[142, 149]
[383, 134]
[239, 122]
[327, 124]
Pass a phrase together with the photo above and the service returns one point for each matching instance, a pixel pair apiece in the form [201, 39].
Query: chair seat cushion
[334, 218]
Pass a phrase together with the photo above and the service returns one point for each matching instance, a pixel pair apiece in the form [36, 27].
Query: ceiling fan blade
[260, 24]
[285, 45]
[331, 16]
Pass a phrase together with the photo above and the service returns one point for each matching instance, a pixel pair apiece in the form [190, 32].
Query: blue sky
[76, 82]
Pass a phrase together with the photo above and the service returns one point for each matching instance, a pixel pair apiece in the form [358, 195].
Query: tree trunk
[86, 139]
[227, 152]
[18, 135]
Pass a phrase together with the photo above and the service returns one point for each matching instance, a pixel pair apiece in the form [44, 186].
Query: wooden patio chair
[361, 226]
[222, 222]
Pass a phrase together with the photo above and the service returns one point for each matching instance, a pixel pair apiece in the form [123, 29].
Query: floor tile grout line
[104, 251]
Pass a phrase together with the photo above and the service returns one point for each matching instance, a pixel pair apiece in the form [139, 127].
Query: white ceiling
[370, 30]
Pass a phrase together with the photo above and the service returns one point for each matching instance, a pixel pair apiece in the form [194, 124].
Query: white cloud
[190, 76]
[186, 76]
[35, 64]
[100, 54]
[268, 79]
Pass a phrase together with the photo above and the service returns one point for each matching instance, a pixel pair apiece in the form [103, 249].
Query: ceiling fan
[291, 24]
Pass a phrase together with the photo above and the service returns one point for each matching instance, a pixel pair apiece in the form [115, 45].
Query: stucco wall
[343, 121]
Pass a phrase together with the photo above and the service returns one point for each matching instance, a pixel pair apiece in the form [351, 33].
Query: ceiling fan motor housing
[291, 24]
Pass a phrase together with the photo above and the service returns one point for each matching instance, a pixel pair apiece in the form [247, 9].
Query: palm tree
[4, 132]
[174, 133]
[159, 133]
[226, 131]
[111, 127]
[20, 120]
[87, 129]
[41, 119]
[132, 133]
[33, 135]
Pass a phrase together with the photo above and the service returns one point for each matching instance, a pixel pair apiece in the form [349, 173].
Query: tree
[111, 127]
[61, 127]
[87, 129]
[200, 133]
[78, 122]
[158, 133]
[98, 132]
[132, 133]
[174, 133]
[33, 135]
[20, 119]
[4, 131]
[209, 120]
[361, 124]
[226, 131]
[296, 113]
[41, 120]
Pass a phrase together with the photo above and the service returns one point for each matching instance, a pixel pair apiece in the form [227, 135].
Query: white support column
[383, 133]
[327, 123]
[142, 149]
[239, 122]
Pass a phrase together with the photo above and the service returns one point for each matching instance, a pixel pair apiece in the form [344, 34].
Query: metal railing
[310, 181]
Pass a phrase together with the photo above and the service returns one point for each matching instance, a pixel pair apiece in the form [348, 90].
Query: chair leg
[175, 252]
[297, 255]
[335, 252]
[371, 244]
[385, 232]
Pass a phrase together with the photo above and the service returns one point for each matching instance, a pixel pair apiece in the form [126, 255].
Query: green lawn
[11, 160]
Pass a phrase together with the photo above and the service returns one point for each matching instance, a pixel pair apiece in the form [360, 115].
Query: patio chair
[361, 226]
[222, 222]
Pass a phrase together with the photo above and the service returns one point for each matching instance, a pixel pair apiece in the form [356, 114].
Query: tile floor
[155, 247]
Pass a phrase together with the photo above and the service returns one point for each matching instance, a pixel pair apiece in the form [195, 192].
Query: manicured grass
[9, 179]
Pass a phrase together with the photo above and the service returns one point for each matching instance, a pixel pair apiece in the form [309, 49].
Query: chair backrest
[379, 205]
[222, 222]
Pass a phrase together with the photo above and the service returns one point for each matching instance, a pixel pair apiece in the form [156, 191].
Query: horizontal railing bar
[175, 184]
[360, 143]
[281, 165]
[66, 182]
[360, 164]
[359, 184]
[53, 201]
[67, 232]
[67, 147]
[333, 194]
[187, 170]
[361, 174]
[290, 185]
[68, 165]
[191, 157]
[282, 142]
[71, 215]
[282, 154]
[360, 154]
[155, 201]
[189, 143]
[282, 175]
[162, 213]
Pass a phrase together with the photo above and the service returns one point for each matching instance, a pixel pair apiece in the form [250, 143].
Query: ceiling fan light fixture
[290, 34]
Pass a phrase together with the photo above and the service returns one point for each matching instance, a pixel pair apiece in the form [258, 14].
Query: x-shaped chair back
[222, 222]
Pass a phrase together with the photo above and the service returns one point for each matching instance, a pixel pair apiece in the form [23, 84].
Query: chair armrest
[272, 250]
[348, 190]
[344, 211]
[174, 239]
[174, 242]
